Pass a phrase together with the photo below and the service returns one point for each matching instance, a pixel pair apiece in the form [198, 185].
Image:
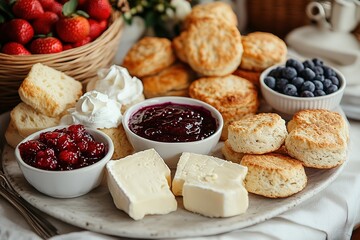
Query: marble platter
[95, 211]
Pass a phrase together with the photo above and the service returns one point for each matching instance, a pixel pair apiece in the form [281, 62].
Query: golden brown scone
[122, 146]
[257, 134]
[262, 50]
[49, 91]
[220, 11]
[27, 120]
[12, 136]
[252, 76]
[319, 138]
[172, 81]
[233, 96]
[178, 46]
[274, 175]
[230, 154]
[149, 56]
[213, 48]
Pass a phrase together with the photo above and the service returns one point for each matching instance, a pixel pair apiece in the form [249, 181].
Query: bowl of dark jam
[173, 125]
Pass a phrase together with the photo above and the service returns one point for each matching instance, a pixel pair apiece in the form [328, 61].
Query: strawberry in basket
[50, 26]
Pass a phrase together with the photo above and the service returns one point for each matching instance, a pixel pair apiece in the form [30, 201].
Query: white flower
[182, 9]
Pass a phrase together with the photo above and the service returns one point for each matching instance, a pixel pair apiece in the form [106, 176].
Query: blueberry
[295, 64]
[327, 83]
[307, 94]
[328, 72]
[307, 74]
[318, 85]
[318, 70]
[331, 89]
[290, 90]
[288, 72]
[320, 78]
[317, 62]
[276, 72]
[280, 84]
[334, 80]
[297, 81]
[308, 64]
[319, 93]
[308, 86]
[270, 82]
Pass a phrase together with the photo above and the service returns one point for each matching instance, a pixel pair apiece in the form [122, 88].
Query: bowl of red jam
[64, 161]
[173, 125]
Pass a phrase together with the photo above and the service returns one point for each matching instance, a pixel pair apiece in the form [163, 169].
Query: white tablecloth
[332, 214]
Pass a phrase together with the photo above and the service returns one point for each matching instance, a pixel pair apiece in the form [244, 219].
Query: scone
[172, 81]
[318, 138]
[178, 46]
[233, 96]
[12, 136]
[27, 120]
[257, 134]
[262, 50]
[122, 146]
[220, 11]
[252, 76]
[49, 91]
[149, 56]
[230, 154]
[274, 175]
[213, 47]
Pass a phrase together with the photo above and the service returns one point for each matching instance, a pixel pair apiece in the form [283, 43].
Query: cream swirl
[117, 83]
[95, 110]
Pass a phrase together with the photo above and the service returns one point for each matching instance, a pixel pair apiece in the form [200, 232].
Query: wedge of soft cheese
[140, 184]
[192, 166]
[211, 186]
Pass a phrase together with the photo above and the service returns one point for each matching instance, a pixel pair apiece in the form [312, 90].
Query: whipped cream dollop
[95, 110]
[117, 83]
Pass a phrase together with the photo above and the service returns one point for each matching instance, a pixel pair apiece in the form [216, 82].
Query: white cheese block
[215, 197]
[140, 184]
[193, 166]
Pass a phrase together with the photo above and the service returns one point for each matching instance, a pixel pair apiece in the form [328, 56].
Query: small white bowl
[171, 151]
[69, 183]
[290, 105]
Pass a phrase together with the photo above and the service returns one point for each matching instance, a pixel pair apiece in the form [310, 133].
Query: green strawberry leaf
[69, 7]
[6, 9]
[82, 13]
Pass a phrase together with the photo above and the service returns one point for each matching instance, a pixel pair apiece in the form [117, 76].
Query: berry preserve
[63, 149]
[173, 122]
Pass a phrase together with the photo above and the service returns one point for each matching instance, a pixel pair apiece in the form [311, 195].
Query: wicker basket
[81, 63]
[276, 16]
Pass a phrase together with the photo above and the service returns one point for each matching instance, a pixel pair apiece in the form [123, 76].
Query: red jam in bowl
[173, 122]
[63, 149]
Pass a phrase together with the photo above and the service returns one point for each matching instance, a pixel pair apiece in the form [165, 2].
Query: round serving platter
[96, 211]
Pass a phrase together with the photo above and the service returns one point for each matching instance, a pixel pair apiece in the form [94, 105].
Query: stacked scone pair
[153, 60]
[46, 94]
[276, 153]
[211, 44]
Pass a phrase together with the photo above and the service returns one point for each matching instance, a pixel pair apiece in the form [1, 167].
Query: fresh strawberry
[98, 9]
[73, 29]
[67, 46]
[55, 7]
[14, 48]
[46, 4]
[82, 42]
[27, 9]
[103, 24]
[19, 30]
[95, 29]
[46, 45]
[45, 23]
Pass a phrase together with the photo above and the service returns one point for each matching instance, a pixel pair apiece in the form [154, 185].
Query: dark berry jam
[63, 149]
[173, 122]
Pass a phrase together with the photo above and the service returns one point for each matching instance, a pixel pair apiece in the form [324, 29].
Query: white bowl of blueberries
[298, 85]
